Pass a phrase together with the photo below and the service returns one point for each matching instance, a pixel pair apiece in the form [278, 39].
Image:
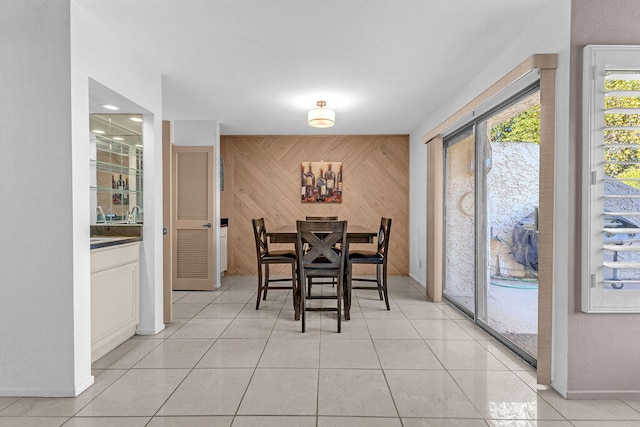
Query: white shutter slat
[621, 196]
[621, 145]
[606, 128]
[623, 180]
[611, 162]
[623, 93]
[622, 248]
[622, 265]
[624, 213]
[622, 230]
[622, 111]
[622, 282]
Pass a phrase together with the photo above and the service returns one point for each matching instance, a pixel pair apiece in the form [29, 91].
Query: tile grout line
[270, 337]
[255, 369]
[199, 360]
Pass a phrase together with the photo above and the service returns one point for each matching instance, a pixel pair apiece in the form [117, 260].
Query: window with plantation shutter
[611, 179]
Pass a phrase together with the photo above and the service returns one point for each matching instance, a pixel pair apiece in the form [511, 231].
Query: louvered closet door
[193, 218]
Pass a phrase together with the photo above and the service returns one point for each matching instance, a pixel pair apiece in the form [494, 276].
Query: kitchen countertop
[105, 241]
[104, 235]
[110, 235]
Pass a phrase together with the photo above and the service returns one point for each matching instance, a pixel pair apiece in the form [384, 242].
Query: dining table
[355, 234]
[289, 234]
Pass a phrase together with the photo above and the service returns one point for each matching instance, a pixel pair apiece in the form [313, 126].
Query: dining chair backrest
[266, 259]
[322, 218]
[383, 236]
[260, 235]
[316, 246]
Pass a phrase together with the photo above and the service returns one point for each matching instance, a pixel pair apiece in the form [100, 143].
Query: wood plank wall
[262, 179]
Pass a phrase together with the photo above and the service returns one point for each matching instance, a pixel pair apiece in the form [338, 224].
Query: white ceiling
[258, 66]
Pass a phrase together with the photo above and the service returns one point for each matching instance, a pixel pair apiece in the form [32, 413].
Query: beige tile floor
[222, 363]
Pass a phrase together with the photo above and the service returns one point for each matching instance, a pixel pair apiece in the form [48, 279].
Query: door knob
[165, 231]
[208, 225]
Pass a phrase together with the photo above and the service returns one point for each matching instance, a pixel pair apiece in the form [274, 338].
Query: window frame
[597, 59]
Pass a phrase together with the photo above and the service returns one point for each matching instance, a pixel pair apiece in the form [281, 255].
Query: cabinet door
[223, 249]
[114, 307]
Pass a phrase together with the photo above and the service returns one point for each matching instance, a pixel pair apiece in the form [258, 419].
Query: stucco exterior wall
[459, 232]
[512, 194]
[512, 185]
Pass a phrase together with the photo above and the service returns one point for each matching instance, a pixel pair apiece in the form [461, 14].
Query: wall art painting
[321, 182]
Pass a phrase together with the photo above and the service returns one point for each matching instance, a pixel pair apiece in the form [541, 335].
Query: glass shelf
[113, 168]
[115, 190]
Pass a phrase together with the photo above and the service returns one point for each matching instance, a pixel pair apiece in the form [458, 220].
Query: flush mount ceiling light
[98, 131]
[135, 119]
[322, 117]
[110, 107]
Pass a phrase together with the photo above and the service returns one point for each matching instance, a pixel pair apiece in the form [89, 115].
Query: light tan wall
[603, 348]
[262, 179]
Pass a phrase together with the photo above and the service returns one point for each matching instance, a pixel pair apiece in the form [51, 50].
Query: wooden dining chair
[379, 258]
[321, 259]
[319, 218]
[266, 258]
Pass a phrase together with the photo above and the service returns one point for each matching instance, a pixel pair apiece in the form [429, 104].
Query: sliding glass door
[459, 220]
[510, 285]
[491, 233]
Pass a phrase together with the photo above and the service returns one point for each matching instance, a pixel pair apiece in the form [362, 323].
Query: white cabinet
[223, 250]
[115, 279]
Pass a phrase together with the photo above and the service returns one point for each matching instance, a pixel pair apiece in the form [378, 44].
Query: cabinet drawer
[113, 256]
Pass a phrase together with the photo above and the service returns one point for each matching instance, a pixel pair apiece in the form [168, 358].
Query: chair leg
[339, 298]
[384, 286]
[294, 290]
[266, 281]
[378, 281]
[309, 286]
[259, 285]
[303, 299]
[347, 292]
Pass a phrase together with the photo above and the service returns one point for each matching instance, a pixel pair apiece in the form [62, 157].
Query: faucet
[134, 215]
[100, 215]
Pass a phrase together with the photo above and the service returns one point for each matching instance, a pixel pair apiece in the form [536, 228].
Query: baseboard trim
[150, 331]
[48, 392]
[84, 385]
[420, 282]
[604, 394]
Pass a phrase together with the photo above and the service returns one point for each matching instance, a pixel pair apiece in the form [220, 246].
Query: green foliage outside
[619, 161]
[524, 127]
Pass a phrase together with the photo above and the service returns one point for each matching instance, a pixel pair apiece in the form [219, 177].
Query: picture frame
[321, 182]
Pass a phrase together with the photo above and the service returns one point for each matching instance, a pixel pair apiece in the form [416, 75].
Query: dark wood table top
[288, 234]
